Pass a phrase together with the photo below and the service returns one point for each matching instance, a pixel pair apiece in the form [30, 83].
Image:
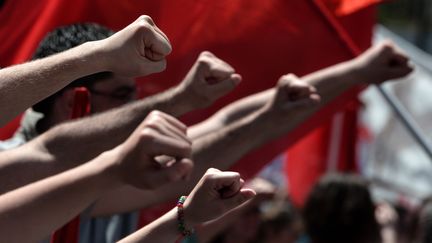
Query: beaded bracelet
[180, 218]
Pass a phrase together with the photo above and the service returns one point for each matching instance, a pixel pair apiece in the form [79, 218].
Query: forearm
[335, 80]
[40, 208]
[71, 144]
[221, 147]
[329, 82]
[36, 80]
[230, 114]
[79, 141]
[164, 229]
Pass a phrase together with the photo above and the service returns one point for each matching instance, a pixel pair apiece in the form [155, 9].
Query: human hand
[158, 135]
[291, 93]
[215, 194]
[137, 50]
[381, 63]
[209, 79]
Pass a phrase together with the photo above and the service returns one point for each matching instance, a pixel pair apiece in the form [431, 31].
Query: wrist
[181, 100]
[268, 114]
[107, 164]
[357, 72]
[96, 56]
[185, 221]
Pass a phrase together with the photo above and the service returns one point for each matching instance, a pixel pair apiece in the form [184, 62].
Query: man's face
[111, 93]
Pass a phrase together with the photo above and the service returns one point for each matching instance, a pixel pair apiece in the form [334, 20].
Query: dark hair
[279, 215]
[62, 39]
[423, 222]
[340, 209]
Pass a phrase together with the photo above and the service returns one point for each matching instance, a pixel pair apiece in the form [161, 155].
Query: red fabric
[68, 233]
[261, 39]
[315, 154]
[344, 7]
[81, 108]
[285, 32]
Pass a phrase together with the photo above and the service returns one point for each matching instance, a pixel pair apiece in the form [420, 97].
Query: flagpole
[407, 120]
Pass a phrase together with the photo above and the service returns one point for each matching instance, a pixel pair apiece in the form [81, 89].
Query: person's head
[106, 89]
[280, 223]
[424, 222]
[340, 209]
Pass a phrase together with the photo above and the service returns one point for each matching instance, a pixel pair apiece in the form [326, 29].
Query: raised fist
[158, 135]
[291, 92]
[215, 194]
[137, 50]
[381, 63]
[209, 79]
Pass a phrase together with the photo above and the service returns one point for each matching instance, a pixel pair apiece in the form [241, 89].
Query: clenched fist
[209, 79]
[137, 50]
[215, 194]
[291, 92]
[158, 135]
[381, 63]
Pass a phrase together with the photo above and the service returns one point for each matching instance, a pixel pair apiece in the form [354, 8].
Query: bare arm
[366, 69]
[215, 194]
[277, 116]
[122, 53]
[39, 208]
[42, 207]
[36, 80]
[76, 142]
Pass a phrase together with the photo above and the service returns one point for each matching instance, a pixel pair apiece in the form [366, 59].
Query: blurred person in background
[280, 222]
[340, 209]
[423, 232]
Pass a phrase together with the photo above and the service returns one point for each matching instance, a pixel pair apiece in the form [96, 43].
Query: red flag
[261, 39]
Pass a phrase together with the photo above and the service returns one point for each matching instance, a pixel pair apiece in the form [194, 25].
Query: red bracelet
[180, 218]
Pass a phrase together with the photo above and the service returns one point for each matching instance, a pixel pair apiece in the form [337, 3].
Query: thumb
[241, 197]
[226, 85]
[311, 100]
[156, 45]
[154, 66]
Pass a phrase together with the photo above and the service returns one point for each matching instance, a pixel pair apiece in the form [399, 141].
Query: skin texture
[71, 144]
[137, 50]
[66, 194]
[288, 105]
[215, 194]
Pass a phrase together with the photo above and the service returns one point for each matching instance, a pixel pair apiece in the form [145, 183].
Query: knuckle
[236, 175]
[153, 122]
[211, 171]
[206, 54]
[145, 27]
[155, 113]
[204, 61]
[209, 175]
[147, 134]
[146, 18]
